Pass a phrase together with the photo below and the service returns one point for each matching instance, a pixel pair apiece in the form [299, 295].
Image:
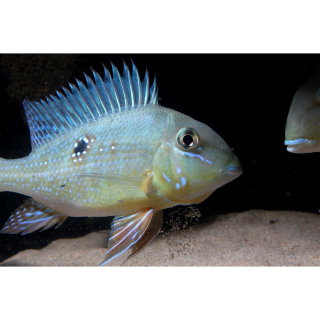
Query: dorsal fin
[81, 104]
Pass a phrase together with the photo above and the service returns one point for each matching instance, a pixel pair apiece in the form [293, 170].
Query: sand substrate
[251, 238]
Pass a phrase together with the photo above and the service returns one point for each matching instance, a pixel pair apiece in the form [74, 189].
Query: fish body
[302, 133]
[109, 149]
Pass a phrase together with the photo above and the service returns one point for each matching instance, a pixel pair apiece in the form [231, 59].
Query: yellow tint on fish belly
[108, 149]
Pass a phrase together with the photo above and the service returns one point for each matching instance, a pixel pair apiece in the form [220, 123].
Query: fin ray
[130, 186]
[126, 231]
[136, 86]
[62, 112]
[31, 216]
[120, 87]
[151, 232]
[128, 85]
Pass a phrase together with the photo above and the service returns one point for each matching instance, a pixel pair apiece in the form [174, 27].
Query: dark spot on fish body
[62, 186]
[81, 149]
[82, 146]
[273, 221]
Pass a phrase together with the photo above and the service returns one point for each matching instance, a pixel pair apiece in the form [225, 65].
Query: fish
[107, 148]
[302, 134]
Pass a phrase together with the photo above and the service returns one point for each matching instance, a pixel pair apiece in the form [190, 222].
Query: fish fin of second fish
[134, 230]
[130, 186]
[31, 216]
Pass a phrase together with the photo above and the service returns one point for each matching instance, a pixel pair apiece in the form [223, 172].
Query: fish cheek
[307, 125]
[169, 176]
[163, 172]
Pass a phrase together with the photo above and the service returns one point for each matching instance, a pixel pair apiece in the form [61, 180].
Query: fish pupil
[187, 140]
[82, 145]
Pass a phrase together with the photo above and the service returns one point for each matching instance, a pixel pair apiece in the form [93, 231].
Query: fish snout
[302, 145]
[234, 169]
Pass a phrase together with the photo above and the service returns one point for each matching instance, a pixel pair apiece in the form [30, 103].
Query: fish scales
[108, 149]
[50, 175]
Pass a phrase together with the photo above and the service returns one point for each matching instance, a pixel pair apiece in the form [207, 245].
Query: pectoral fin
[32, 216]
[151, 232]
[132, 231]
[130, 186]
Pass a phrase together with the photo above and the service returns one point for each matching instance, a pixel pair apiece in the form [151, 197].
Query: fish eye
[188, 138]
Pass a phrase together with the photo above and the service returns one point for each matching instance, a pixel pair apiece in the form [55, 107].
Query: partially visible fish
[303, 123]
[109, 149]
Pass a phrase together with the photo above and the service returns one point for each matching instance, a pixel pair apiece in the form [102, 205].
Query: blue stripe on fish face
[167, 178]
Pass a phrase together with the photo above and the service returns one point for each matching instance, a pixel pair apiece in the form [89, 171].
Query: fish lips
[230, 173]
[233, 170]
[302, 145]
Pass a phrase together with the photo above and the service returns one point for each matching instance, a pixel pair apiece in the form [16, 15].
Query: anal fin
[31, 216]
[133, 231]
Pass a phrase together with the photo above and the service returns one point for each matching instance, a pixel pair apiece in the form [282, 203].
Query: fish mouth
[302, 145]
[230, 173]
[233, 170]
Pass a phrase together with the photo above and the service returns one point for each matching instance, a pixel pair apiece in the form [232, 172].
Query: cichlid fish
[303, 123]
[108, 149]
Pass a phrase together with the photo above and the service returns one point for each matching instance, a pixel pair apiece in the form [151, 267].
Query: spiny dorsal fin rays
[58, 114]
[74, 105]
[120, 86]
[108, 91]
[76, 94]
[95, 95]
[88, 99]
[71, 112]
[106, 100]
[61, 113]
[77, 107]
[66, 115]
[128, 84]
[145, 88]
[153, 93]
[113, 91]
[136, 85]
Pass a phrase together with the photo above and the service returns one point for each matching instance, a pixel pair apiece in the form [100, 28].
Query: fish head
[302, 134]
[192, 161]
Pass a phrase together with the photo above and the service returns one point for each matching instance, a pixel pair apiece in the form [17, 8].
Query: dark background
[244, 98]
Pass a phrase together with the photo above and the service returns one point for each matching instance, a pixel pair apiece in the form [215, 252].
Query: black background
[244, 98]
